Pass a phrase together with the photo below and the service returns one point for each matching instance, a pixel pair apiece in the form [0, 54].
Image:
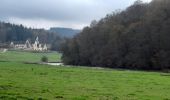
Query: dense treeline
[19, 34]
[10, 32]
[136, 38]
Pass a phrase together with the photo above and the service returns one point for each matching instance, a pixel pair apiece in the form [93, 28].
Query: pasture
[19, 81]
[16, 56]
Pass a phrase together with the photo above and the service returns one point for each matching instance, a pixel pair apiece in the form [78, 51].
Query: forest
[19, 34]
[135, 38]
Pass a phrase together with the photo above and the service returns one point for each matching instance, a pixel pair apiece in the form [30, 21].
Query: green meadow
[19, 81]
[16, 56]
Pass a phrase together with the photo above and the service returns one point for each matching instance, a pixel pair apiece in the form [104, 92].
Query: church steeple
[37, 40]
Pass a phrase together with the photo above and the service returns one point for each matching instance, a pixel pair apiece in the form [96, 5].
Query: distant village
[28, 46]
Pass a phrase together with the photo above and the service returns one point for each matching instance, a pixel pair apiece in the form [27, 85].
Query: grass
[42, 82]
[19, 81]
[15, 56]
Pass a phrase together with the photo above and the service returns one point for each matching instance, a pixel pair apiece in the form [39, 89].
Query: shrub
[44, 59]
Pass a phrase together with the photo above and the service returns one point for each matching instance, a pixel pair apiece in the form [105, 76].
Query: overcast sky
[58, 13]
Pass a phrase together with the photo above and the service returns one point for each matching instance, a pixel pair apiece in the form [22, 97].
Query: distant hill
[19, 34]
[64, 32]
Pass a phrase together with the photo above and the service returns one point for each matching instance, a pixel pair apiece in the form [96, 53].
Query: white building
[37, 46]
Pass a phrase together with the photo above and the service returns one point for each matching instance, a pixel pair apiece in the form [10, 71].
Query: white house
[37, 46]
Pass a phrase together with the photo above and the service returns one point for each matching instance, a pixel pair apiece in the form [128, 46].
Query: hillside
[135, 38]
[18, 33]
[65, 32]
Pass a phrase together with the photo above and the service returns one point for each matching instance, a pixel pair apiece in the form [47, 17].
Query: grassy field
[15, 56]
[28, 82]
[20, 81]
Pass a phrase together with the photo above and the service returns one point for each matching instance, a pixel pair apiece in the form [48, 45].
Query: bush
[44, 59]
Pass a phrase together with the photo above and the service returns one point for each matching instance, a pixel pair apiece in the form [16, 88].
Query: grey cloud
[56, 9]
[79, 11]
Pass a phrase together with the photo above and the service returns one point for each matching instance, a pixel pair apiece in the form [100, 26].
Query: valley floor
[19, 81]
[43, 82]
[23, 56]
